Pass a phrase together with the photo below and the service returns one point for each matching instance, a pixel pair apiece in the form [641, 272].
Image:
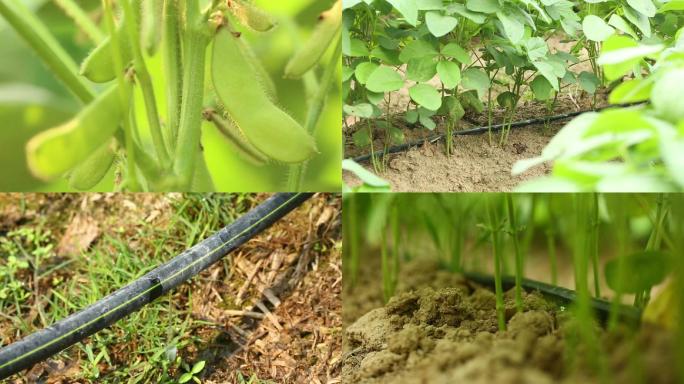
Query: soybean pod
[251, 16]
[272, 131]
[236, 139]
[330, 23]
[87, 175]
[54, 152]
[99, 66]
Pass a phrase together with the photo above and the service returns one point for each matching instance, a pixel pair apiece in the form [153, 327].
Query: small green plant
[253, 379]
[191, 373]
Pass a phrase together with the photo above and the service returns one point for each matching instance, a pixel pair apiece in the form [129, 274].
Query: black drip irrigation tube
[70, 330]
[561, 296]
[485, 129]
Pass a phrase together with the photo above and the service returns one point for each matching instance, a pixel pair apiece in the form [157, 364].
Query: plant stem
[124, 96]
[73, 10]
[298, 171]
[353, 238]
[494, 227]
[173, 68]
[622, 233]
[36, 34]
[513, 228]
[394, 226]
[593, 244]
[189, 131]
[386, 273]
[145, 80]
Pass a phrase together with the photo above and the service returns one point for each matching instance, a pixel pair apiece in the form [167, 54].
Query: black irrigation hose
[60, 335]
[486, 129]
[560, 295]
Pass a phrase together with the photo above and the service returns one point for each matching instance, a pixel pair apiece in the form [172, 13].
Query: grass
[152, 344]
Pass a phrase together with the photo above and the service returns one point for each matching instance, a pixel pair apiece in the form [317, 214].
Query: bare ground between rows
[475, 166]
[441, 328]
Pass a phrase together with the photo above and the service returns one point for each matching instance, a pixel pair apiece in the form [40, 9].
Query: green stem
[593, 244]
[353, 238]
[513, 228]
[145, 80]
[494, 227]
[36, 34]
[124, 95]
[173, 68]
[298, 171]
[73, 10]
[622, 235]
[394, 225]
[189, 130]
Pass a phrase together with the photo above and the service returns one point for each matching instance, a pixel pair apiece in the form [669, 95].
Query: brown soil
[476, 166]
[440, 328]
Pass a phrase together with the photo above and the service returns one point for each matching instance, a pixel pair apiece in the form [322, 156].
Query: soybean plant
[495, 231]
[246, 110]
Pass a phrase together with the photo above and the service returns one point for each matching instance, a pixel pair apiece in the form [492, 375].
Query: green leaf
[541, 88]
[450, 74]
[384, 79]
[185, 378]
[514, 28]
[363, 110]
[640, 271]
[427, 122]
[589, 82]
[198, 367]
[596, 29]
[455, 51]
[366, 176]
[364, 70]
[668, 95]
[645, 7]
[536, 48]
[483, 6]
[422, 69]
[439, 24]
[408, 8]
[632, 91]
[417, 49]
[426, 96]
[475, 79]
[357, 48]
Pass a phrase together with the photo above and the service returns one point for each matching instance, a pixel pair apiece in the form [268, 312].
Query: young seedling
[192, 373]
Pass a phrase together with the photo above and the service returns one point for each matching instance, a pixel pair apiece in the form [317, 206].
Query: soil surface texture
[441, 328]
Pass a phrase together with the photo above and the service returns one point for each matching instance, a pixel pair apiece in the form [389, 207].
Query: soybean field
[498, 95]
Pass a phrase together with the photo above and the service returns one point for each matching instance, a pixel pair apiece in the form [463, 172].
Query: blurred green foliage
[32, 100]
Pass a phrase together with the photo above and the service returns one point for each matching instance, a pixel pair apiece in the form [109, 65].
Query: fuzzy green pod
[313, 50]
[99, 66]
[53, 152]
[272, 131]
[236, 139]
[263, 77]
[87, 175]
[251, 16]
